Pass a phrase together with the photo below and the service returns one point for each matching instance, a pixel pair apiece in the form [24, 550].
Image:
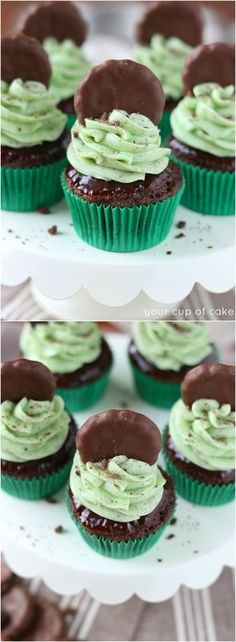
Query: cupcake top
[205, 120]
[61, 29]
[28, 113]
[115, 472]
[170, 345]
[63, 347]
[166, 34]
[34, 423]
[202, 423]
[115, 137]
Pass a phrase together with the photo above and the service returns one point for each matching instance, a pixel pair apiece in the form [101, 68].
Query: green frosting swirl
[206, 120]
[123, 149]
[166, 58]
[33, 429]
[205, 434]
[28, 114]
[61, 346]
[124, 491]
[69, 66]
[170, 345]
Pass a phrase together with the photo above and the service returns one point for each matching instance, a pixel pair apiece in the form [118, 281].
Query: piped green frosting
[69, 66]
[166, 58]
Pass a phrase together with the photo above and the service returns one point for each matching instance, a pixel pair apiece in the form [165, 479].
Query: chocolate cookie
[210, 63]
[119, 84]
[18, 613]
[119, 432]
[60, 20]
[179, 19]
[24, 378]
[23, 57]
[210, 381]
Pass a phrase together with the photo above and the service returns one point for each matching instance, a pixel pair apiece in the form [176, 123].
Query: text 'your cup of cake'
[120, 186]
[203, 126]
[61, 30]
[33, 134]
[199, 443]
[166, 34]
[37, 433]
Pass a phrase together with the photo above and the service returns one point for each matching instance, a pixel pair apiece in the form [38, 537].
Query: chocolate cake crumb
[59, 529]
[169, 252]
[180, 225]
[104, 464]
[10, 231]
[173, 521]
[51, 500]
[179, 236]
[210, 247]
[44, 210]
[52, 230]
[75, 135]
[123, 404]
[170, 536]
[196, 551]
[159, 560]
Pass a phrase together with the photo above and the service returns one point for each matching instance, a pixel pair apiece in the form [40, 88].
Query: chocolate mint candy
[119, 84]
[60, 20]
[210, 63]
[119, 432]
[171, 19]
[24, 378]
[24, 58]
[210, 381]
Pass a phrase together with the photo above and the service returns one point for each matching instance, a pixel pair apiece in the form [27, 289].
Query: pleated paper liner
[37, 487]
[206, 191]
[118, 550]
[195, 491]
[156, 392]
[26, 189]
[121, 229]
[84, 396]
[165, 128]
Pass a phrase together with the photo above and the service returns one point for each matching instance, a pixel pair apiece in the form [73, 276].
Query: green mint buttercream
[166, 58]
[61, 346]
[124, 148]
[28, 114]
[32, 429]
[206, 120]
[124, 491]
[205, 434]
[69, 66]
[169, 345]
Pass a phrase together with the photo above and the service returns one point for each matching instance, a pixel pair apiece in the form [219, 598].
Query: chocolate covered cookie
[24, 378]
[171, 19]
[23, 57]
[213, 62]
[59, 20]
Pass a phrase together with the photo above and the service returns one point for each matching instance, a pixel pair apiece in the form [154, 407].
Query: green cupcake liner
[36, 487]
[165, 127]
[206, 191]
[26, 189]
[70, 121]
[195, 491]
[83, 397]
[156, 392]
[114, 549]
[121, 229]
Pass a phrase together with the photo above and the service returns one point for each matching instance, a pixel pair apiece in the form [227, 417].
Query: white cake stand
[191, 552]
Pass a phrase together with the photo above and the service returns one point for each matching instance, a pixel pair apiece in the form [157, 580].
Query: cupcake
[34, 138]
[119, 498]
[61, 30]
[37, 434]
[162, 352]
[199, 444]
[203, 125]
[120, 188]
[76, 353]
[166, 34]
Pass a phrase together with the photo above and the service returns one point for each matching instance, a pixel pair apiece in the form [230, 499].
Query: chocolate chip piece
[210, 63]
[23, 57]
[180, 19]
[60, 20]
[52, 230]
[25, 378]
[210, 381]
[119, 432]
[119, 84]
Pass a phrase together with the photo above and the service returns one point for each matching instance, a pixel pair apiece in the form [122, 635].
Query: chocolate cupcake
[119, 498]
[166, 34]
[76, 353]
[162, 352]
[37, 434]
[61, 30]
[199, 444]
[120, 188]
[203, 124]
[34, 138]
